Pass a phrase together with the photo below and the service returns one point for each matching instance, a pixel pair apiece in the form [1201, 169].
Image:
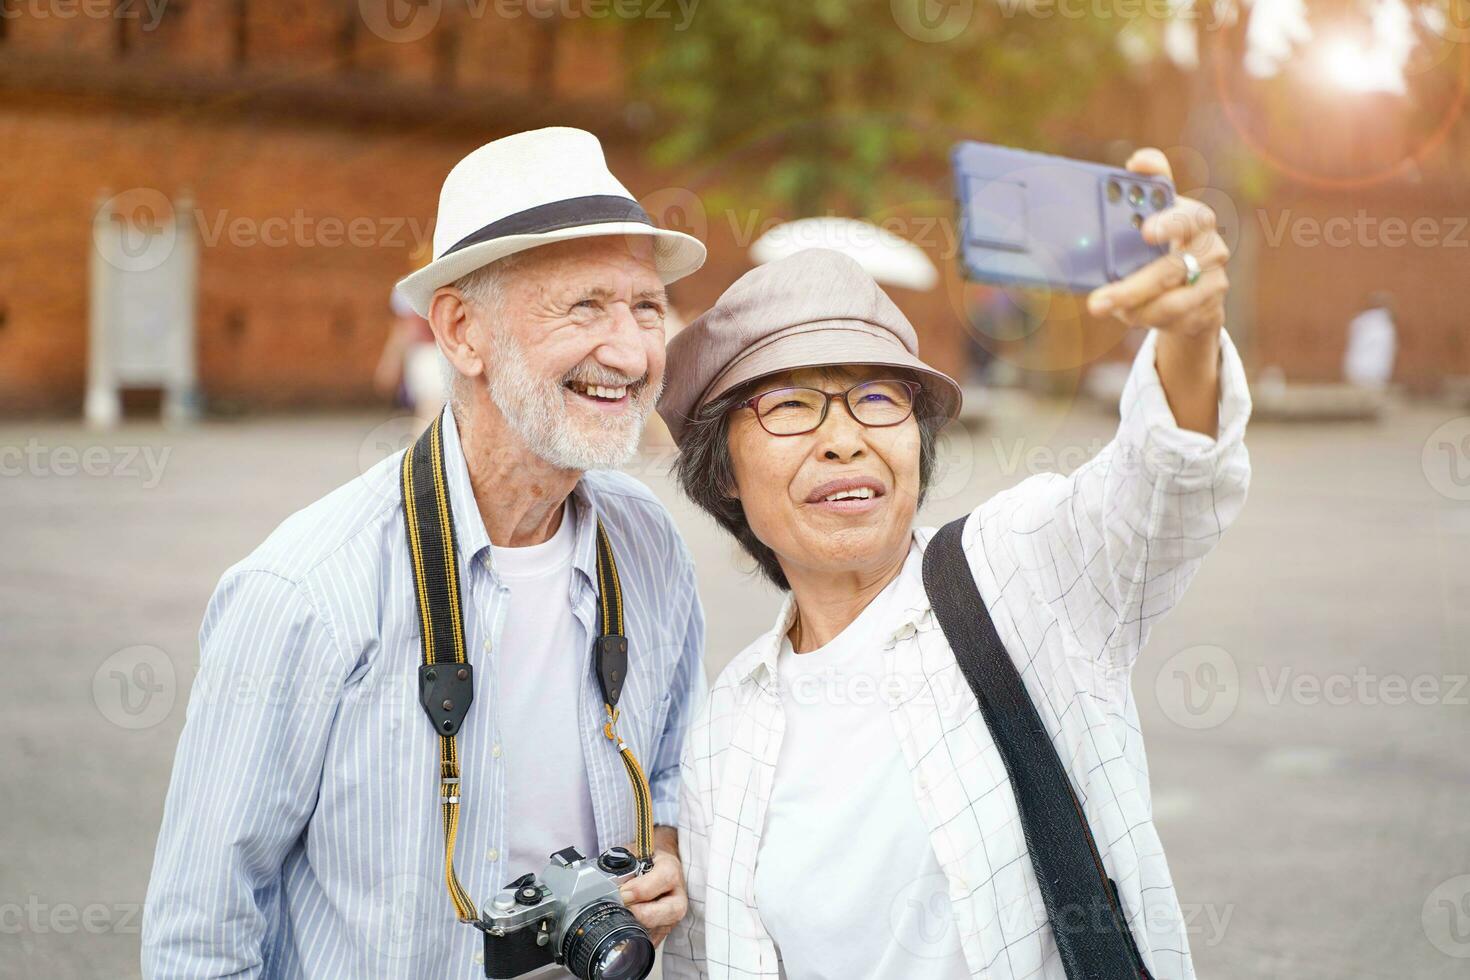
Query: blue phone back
[1031, 219]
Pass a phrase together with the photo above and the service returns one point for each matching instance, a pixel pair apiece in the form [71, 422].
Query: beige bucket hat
[816, 308]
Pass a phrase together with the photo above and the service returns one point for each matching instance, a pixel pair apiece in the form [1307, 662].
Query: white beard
[536, 410]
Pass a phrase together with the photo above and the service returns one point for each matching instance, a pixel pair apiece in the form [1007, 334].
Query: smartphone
[1032, 219]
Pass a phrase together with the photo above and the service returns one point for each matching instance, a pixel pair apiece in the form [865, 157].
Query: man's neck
[520, 496]
[826, 604]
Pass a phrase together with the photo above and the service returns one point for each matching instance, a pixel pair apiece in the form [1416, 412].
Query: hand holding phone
[1032, 219]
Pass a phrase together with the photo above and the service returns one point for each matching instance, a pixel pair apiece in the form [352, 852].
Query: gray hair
[706, 472]
[485, 289]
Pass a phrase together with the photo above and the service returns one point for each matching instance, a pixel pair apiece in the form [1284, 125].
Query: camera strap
[1081, 900]
[446, 678]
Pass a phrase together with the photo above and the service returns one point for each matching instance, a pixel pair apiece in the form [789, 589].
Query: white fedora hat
[535, 188]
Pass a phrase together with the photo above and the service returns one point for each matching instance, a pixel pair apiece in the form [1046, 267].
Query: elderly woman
[845, 810]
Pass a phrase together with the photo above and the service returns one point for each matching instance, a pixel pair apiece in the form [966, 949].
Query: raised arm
[1113, 546]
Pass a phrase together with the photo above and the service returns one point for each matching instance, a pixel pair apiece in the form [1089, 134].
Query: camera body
[570, 914]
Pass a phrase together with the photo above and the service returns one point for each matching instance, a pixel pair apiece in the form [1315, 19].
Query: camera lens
[1115, 192]
[1157, 198]
[605, 942]
[1135, 195]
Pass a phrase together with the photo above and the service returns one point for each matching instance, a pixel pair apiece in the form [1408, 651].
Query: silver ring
[1191, 268]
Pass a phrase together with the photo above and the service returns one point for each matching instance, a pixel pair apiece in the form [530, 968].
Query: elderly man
[312, 822]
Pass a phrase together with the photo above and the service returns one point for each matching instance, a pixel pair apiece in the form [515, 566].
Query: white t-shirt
[538, 668]
[846, 880]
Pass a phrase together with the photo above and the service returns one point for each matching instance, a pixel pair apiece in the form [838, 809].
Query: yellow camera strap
[446, 678]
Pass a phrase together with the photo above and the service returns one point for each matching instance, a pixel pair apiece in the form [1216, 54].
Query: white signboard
[143, 286]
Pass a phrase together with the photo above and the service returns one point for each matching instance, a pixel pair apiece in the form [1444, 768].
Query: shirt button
[493, 854]
[923, 782]
[480, 956]
[495, 750]
[486, 646]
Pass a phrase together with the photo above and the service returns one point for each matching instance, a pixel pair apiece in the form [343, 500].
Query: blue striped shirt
[302, 834]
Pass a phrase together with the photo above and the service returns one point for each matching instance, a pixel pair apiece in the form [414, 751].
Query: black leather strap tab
[1086, 917]
[611, 657]
[592, 209]
[446, 691]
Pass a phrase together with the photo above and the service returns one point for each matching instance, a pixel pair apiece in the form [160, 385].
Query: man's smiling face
[576, 348]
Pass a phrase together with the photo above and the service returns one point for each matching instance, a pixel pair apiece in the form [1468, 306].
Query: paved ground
[1305, 708]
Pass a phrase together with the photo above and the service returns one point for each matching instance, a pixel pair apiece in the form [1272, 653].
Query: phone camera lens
[1157, 198]
[1137, 220]
[1135, 195]
[1115, 192]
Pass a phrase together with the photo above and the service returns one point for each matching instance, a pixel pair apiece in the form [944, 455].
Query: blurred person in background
[1372, 343]
[411, 371]
[304, 834]
[829, 832]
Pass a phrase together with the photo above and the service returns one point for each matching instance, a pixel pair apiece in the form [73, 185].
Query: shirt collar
[912, 601]
[469, 526]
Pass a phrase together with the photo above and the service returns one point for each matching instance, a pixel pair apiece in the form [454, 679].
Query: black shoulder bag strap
[1081, 900]
[446, 684]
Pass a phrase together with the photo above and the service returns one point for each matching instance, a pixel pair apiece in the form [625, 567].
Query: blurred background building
[310, 140]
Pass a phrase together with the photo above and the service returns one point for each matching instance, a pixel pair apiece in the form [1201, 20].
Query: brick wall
[307, 125]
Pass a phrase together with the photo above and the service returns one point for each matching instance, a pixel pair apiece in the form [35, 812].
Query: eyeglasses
[796, 411]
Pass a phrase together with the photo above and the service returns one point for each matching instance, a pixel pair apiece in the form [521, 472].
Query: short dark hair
[706, 473]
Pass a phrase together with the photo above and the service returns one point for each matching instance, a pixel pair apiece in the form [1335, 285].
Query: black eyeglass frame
[914, 389]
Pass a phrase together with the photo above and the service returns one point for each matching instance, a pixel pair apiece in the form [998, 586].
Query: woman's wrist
[1188, 366]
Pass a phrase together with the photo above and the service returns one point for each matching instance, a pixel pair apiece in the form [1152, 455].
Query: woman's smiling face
[839, 498]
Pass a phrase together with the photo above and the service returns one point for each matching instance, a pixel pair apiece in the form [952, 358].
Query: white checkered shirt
[1074, 570]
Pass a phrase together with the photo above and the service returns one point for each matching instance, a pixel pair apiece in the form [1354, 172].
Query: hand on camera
[657, 898]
